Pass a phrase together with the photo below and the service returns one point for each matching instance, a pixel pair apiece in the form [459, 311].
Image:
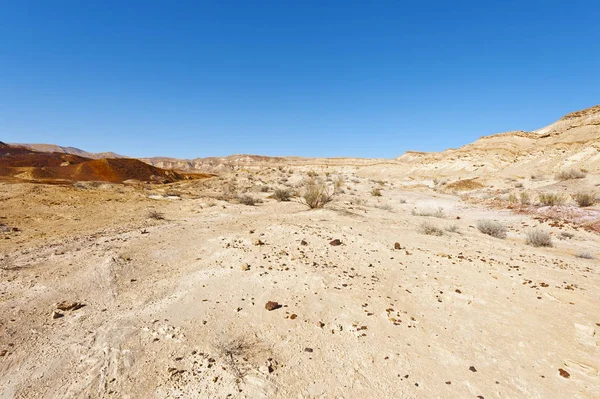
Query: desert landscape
[468, 273]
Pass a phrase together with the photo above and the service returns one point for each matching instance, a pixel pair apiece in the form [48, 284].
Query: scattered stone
[564, 373]
[335, 242]
[56, 315]
[271, 305]
[397, 245]
[293, 316]
[303, 242]
[320, 324]
[68, 305]
[258, 242]
[3, 352]
[309, 350]
[448, 382]
[458, 291]
[245, 267]
[473, 369]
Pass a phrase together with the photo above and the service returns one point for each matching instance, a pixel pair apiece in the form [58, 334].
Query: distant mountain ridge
[573, 141]
[68, 150]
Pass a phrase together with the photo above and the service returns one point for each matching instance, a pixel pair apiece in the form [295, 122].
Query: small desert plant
[518, 185]
[247, 200]
[282, 194]
[438, 213]
[430, 230]
[525, 198]
[538, 238]
[376, 192]
[584, 255]
[452, 228]
[385, 207]
[570, 174]
[402, 201]
[512, 198]
[156, 215]
[312, 173]
[550, 199]
[316, 194]
[584, 199]
[337, 184]
[492, 228]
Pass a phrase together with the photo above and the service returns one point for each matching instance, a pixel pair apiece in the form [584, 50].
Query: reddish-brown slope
[24, 163]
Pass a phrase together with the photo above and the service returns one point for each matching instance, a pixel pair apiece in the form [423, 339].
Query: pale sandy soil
[171, 310]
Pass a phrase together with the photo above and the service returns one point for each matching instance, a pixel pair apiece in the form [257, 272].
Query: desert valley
[468, 273]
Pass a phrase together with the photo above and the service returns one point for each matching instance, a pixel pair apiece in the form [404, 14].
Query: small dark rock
[335, 242]
[309, 350]
[473, 369]
[271, 305]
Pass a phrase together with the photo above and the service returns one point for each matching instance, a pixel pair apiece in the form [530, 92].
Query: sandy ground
[176, 307]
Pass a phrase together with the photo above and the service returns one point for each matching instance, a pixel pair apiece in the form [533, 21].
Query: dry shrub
[492, 228]
[376, 192]
[156, 215]
[452, 229]
[438, 213]
[584, 199]
[525, 198]
[247, 200]
[570, 174]
[551, 199]
[584, 255]
[430, 230]
[337, 184]
[282, 194]
[464, 185]
[538, 238]
[316, 194]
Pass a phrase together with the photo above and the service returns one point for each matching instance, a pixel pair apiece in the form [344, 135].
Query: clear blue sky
[310, 78]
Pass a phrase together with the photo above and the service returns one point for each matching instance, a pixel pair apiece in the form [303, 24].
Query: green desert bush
[492, 228]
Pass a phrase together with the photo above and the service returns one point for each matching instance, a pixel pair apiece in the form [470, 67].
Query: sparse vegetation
[570, 174]
[337, 184]
[464, 185]
[538, 238]
[282, 194]
[452, 229]
[512, 198]
[584, 255]
[438, 213]
[550, 199]
[376, 192]
[156, 215]
[247, 200]
[316, 194]
[430, 229]
[492, 228]
[525, 198]
[584, 199]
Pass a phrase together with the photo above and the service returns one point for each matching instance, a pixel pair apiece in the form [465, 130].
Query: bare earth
[176, 307]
